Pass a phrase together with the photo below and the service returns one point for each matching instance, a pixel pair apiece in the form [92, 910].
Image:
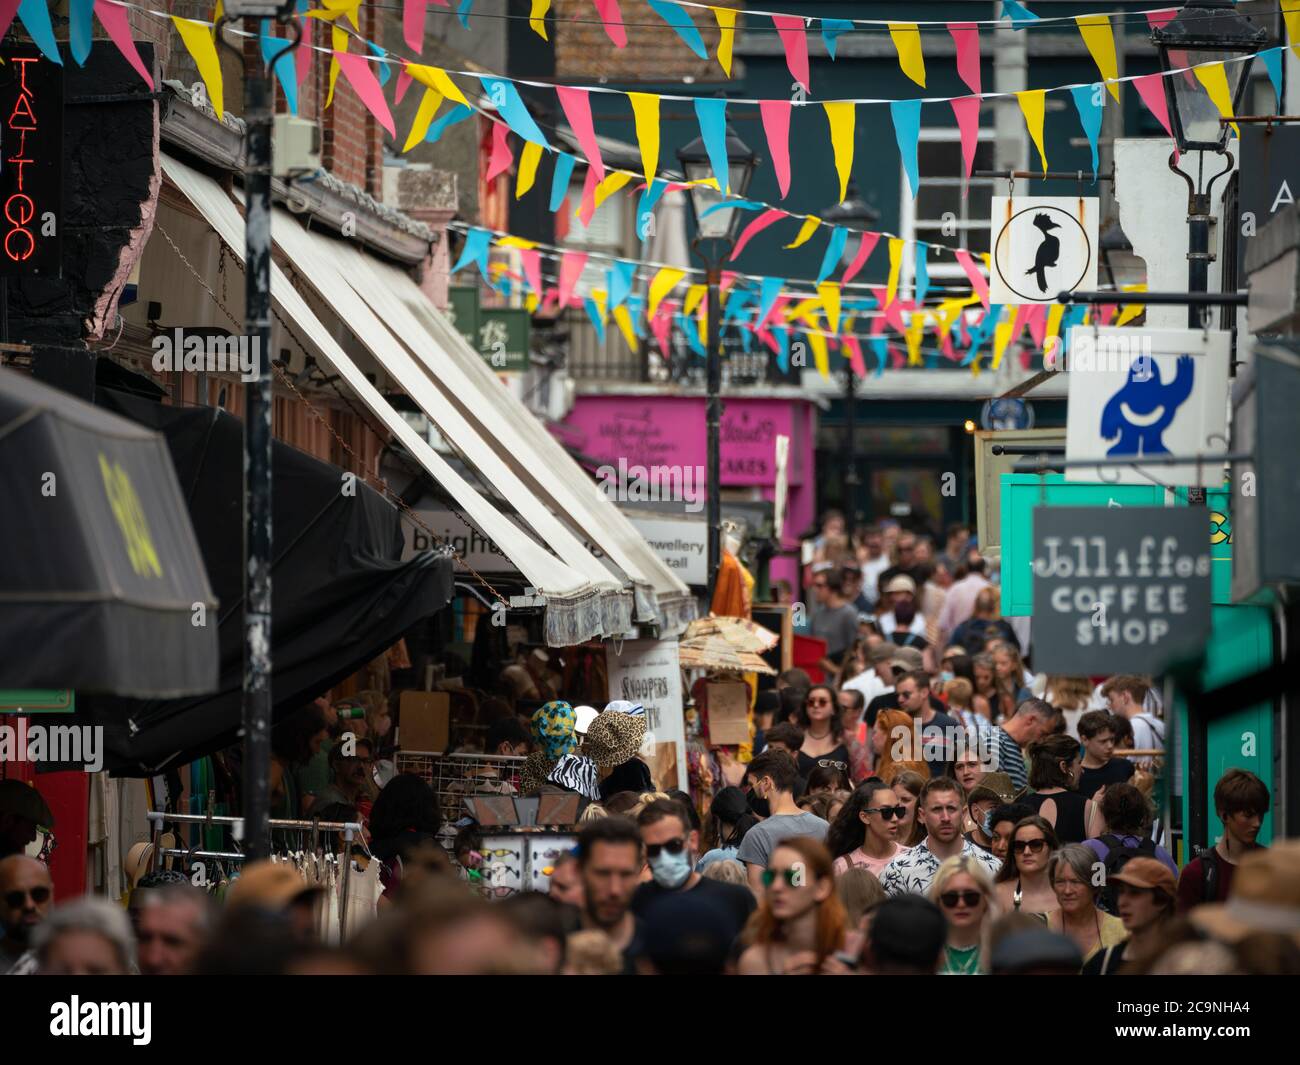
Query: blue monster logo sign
[1144, 407]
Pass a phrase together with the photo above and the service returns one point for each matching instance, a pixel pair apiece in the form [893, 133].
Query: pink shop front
[670, 431]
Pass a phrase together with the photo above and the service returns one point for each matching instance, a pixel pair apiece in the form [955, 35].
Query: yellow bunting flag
[1130, 310]
[531, 301]
[1001, 339]
[218, 10]
[528, 160]
[198, 42]
[694, 294]
[645, 108]
[1096, 34]
[907, 39]
[623, 319]
[811, 222]
[599, 298]
[515, 242]
[915, 330]
[339, 43]
[840, 114]
[829, 291]
[1052, 359]
[612, 183]
[895, 265]
[727, 36]
[817, 342]
[332, 9]
[1291, 16]
[436, 79]
[1216, 84]
[803, 311]
[663, 283]
[1033, 102]
[537, 17]
[429, 105]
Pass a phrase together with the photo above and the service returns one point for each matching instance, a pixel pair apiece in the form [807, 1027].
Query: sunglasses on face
[1034, 846]
[673, 846]
[969, 899]
[38, 895]
[888, 813]
[819, 702]
[790, 876]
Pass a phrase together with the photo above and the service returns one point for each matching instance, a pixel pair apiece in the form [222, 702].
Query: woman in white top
[865, 834]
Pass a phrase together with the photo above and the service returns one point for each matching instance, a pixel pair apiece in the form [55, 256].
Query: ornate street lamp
[715, 236]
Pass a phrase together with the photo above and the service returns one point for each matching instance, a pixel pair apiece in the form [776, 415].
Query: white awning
[583, 601]
[518, 436]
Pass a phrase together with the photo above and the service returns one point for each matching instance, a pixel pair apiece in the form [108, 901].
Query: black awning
[340, 592]
[100, 571]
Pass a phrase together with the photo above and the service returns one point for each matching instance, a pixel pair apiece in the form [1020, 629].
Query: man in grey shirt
[772, 778]
[836, 620]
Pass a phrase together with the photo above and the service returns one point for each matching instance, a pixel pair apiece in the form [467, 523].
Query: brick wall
[351, 139]
[654, 51]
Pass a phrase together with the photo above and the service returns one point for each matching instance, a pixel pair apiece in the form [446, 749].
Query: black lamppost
[855, 215]
[715, 236]
[1204, 31]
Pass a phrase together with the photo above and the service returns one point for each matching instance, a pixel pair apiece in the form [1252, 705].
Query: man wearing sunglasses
[26, 892]
[941, 809]
[671, 848]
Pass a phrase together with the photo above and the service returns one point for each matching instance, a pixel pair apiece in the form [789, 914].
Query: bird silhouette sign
[1042, 246]
[1140, 393]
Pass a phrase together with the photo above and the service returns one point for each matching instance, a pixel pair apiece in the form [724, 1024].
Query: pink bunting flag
[661, 325]
[413, 12]
[880, 292]
[1036, 320]
[612, 18]
[115, 21]
[361, 76]
[966, 36]
[768, 339]
[978, 283]
[865, 248]
[893, 315]
[501, 158]
[1152, 90]
[1018, 321]
[403, 82]
[1157, 19]
[531, 258]
[550, 302]
[8, 9]
[576, 104]
[1106, 312]
[776, 125]
[756, 226]
[967, 111]
[854, 347]
[303, 55]
[794, 38]
[572, 264]
[726, 279]
[896, 358]
[777, 313]
[587, 207]
[945, 345]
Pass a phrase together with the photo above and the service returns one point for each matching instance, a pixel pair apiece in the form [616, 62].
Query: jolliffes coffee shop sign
[31, 164]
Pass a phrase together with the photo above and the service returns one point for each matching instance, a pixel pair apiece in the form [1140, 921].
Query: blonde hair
[959, 691]
[645, 799]
[860, 891]
[964, 863]
[591, 953]
[1068, 693]
[593, 812]
[727, 870]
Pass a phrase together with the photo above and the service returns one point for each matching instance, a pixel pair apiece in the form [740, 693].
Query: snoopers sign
[1119, 590]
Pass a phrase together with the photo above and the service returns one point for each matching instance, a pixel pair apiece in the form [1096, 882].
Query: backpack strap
[1210, 875]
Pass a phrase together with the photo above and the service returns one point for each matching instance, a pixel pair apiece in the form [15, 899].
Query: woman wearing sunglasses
[865, 834]
[963, 890]
[1023, 884]
[800, 922]
[1079, 917]
[822, 742]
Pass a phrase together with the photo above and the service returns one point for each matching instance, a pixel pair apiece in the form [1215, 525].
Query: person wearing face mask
[671, 847]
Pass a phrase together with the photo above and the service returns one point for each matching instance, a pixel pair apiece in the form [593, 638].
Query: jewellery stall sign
[1042, 246]
[31, 164]
[1122, 590]
[649, 672]
[1147, 392]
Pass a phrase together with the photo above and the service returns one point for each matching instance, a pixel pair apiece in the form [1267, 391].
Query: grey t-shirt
[838, 626]
[759, 842]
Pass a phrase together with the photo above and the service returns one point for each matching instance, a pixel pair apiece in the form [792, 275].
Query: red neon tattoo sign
[19, 211]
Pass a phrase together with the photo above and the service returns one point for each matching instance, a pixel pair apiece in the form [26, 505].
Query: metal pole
[850, 490]
[257, 466]
[713, 416]
[1198, 252]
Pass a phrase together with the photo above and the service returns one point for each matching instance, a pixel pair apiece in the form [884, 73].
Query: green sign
[37, 701]
[499, 334]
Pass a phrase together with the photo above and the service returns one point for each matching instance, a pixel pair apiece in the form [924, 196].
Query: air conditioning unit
[295, 144]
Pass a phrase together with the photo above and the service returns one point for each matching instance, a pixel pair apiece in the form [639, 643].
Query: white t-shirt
[1148, 734]
[868, 683]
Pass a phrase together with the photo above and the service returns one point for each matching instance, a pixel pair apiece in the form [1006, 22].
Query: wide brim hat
[533, 773]
[553, 726]
[995, 786]
[1149, 873]
[1264, 897]
[614, 738]
[901, 583]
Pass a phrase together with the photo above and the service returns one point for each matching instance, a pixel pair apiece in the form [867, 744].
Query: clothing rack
[350, 830]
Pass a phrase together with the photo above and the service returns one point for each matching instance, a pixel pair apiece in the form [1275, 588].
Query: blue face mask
[671, 871]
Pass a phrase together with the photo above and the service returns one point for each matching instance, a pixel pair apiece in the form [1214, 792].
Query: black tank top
[1070, 826]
